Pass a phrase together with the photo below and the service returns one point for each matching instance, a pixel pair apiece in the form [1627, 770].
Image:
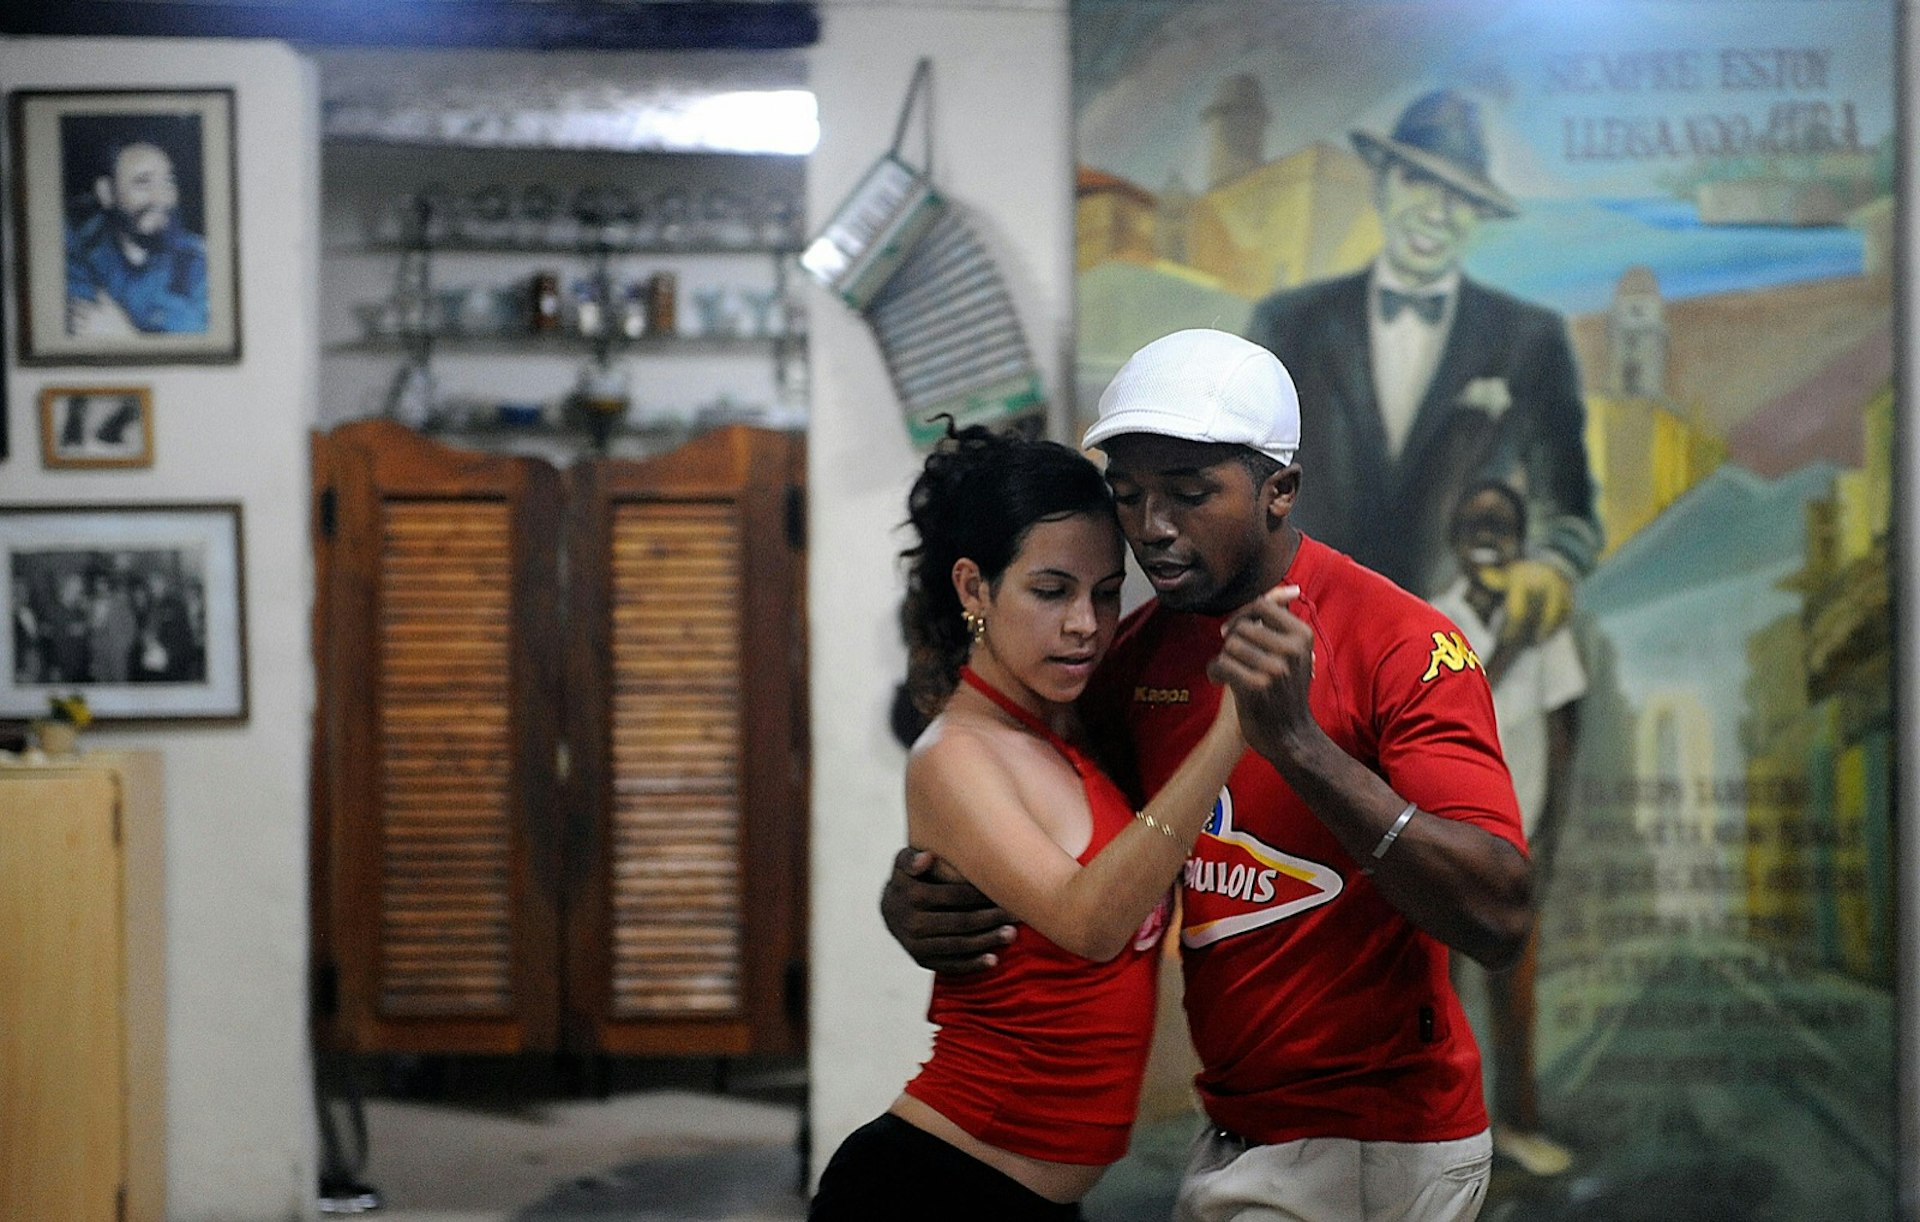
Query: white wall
[240, 1120]
[1002, 149]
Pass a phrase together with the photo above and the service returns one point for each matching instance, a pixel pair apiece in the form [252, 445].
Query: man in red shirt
[1371, 827]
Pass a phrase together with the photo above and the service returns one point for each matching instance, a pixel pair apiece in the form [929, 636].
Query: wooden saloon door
[437, 825]
[559, 813]
[687, 705]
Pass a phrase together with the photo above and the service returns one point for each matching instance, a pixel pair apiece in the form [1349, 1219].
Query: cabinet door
[62, 1043]
[436, 914]
[686, 702]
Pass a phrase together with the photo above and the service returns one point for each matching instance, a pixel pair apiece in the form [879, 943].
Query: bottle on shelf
[589, 315]
[633, 311]
[662, 304]
[546, 301]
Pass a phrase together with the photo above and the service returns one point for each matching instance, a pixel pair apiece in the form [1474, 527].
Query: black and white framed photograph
[84, 427]
[140, 608]
[124, 206]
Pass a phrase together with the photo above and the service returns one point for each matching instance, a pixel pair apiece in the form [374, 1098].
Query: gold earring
[976, 624]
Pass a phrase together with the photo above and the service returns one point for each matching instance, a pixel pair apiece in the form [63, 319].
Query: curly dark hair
[978, 496]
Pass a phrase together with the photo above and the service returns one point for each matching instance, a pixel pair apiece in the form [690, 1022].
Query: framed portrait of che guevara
[124, 226]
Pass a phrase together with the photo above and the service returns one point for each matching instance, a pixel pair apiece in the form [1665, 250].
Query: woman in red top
[1013, 596]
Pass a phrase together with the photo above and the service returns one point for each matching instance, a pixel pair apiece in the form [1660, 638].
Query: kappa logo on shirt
[1235, 882]
[1143, 694]
[1450, 653]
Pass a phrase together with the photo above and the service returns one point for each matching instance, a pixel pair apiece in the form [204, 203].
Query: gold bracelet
[1154, 823]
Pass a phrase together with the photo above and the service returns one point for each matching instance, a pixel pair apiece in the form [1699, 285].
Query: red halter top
[1043, 1055]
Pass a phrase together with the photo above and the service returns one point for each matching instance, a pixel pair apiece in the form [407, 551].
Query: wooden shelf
[584, 250]
[559, 343]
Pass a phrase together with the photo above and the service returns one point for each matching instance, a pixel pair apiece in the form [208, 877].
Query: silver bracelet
[1393, 833]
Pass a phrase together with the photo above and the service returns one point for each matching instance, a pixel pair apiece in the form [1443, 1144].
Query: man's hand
[1539, 600]
[100, 317]
[1266, 657]
[939, 918]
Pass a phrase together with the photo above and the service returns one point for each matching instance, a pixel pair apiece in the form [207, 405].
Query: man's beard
[1215, 597]
[127, 228]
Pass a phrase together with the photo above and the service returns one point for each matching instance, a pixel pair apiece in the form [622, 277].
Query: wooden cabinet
[559, 779]
[82, 991]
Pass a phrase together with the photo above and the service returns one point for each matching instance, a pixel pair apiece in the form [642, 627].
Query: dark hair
[1507, 491]
[1260, 465]
[978, 496]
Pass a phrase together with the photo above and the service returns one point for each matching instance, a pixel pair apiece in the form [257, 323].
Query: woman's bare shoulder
[956, 743]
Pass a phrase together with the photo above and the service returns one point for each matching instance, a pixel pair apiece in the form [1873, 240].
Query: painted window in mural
[1590, 310]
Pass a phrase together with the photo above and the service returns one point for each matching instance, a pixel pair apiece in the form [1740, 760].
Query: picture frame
[125, 222]
[94, 427]
[139, 608]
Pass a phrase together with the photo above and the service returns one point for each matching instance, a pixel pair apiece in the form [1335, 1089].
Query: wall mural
[1592, 301]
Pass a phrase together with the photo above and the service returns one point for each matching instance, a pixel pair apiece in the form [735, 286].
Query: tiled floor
[648, 1156]
[666, 1146]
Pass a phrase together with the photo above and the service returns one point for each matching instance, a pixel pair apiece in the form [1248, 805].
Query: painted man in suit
[1416, 382]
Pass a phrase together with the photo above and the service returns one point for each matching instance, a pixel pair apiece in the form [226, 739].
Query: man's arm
[941, 921]
[1459, 882]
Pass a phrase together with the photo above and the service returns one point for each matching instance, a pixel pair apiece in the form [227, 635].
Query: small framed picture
[96, 426]
[124, 206]
[139, 608]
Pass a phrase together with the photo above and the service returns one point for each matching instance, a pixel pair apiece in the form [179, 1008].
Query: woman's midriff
[1062, 1182]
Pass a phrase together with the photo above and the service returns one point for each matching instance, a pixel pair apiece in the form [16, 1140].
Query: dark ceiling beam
[672, 25]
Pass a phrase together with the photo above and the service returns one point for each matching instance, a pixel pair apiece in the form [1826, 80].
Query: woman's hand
[1266, 661]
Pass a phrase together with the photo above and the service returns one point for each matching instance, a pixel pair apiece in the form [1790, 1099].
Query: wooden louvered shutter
[687, 706]
[439, 927]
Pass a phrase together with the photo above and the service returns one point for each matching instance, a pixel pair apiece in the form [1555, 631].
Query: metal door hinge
[796, 517]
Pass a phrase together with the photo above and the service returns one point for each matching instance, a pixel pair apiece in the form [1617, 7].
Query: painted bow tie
[1426, 305]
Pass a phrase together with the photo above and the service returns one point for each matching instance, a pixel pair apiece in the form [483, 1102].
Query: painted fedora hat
[1439, 133]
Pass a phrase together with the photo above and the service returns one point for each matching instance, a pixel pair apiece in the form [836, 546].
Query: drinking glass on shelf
[534, 222]
[478, 311]
[488, 215]
[512, 308]
[618, 212]
[723, 219]
[586, 215]
[675, 215]
[717, 312]
[759, 313]
[780, 219]
[642, 220]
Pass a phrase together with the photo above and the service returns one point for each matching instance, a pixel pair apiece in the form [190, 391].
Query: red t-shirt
[1319, 1010]
[1044, 1055]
